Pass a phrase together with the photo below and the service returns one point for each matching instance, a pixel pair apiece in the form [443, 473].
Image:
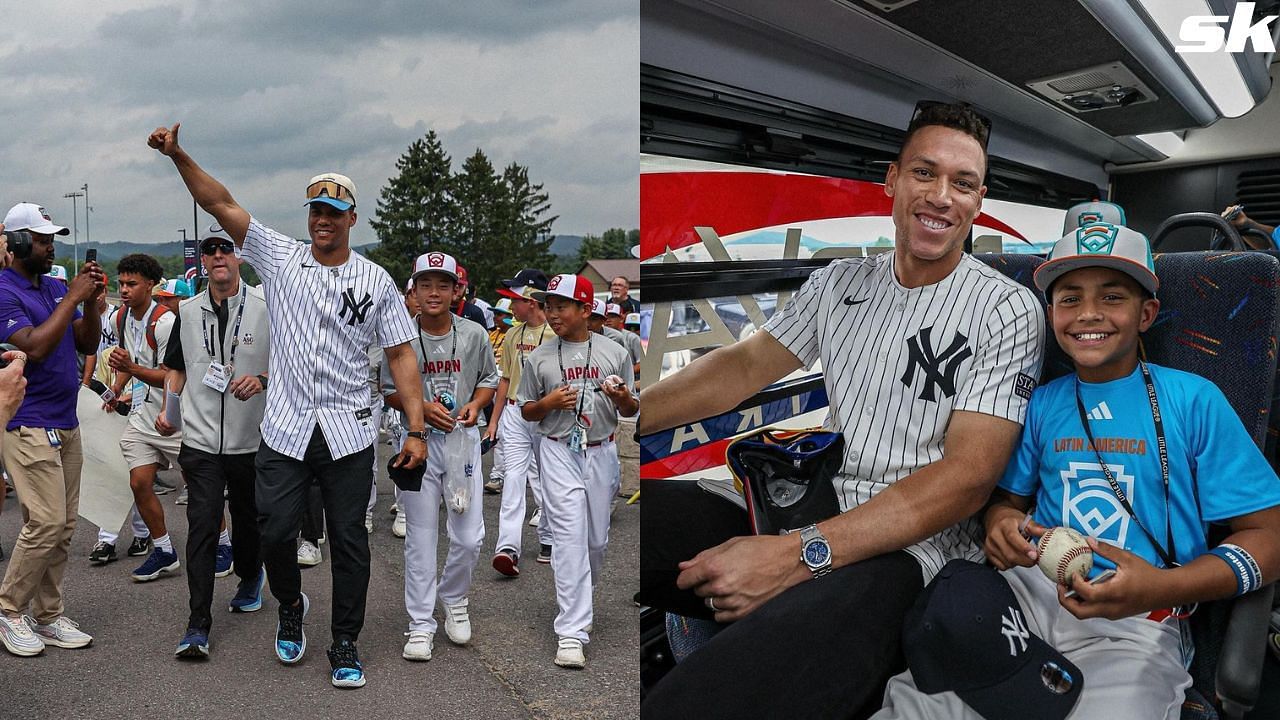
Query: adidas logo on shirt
[1100, 412]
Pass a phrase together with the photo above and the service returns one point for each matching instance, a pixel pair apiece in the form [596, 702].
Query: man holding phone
[42, 317]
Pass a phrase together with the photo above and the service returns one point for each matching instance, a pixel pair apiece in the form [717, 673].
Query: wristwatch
[420, 434]
[263, 379]
[815, 551]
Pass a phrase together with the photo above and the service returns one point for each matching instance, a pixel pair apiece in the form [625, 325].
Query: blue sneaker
[157, 563]
[249, 595]
[347, 670]
[225, 563]
[194, 645]
[291, 641]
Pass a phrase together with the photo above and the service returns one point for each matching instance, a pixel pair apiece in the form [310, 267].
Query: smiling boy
[560, 391]
[1149, 526]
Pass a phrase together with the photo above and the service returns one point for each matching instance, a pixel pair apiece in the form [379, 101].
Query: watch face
[816, 553]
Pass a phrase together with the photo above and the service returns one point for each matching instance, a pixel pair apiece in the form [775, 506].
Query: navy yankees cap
[967, 633]
[407, 479]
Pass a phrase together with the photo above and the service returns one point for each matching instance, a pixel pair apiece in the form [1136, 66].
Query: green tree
[615, 243]
[525, 220]
[417, 209]
[478, 242]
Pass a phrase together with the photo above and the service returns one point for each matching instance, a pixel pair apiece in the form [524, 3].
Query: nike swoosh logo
[850, 301]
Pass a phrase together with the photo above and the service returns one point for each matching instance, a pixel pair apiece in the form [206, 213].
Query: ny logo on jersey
[920, 354]
[358, 309]
[1014, 628]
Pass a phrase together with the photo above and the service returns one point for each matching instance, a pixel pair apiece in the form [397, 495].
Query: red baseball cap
[574, 287]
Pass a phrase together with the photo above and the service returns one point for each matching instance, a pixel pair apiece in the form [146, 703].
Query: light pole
[75, 224]
[87, 209]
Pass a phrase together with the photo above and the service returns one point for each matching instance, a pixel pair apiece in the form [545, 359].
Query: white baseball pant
[135, 520]
[1132, 667]
[520, 439]
[373, 487]
[577, 489]
[422, 523]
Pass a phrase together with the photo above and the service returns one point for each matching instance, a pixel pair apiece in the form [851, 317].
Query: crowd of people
[270, 401]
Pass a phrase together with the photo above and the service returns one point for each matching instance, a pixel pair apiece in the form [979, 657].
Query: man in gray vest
[220, 340]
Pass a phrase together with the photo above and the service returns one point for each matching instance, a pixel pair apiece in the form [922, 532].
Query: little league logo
[1096, 239]
[1089, 503]
[435, 260]
[555, 282]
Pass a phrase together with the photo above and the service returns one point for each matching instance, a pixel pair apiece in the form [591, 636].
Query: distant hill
[111, 252]
[566, 245]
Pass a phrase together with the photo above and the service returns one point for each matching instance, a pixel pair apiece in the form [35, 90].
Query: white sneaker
[569, 654]
[368, 522]
[18, 638]
[457, 623]
[537, 517]
[308, 554]
[63, 633]
[399, 526]
[419, 645]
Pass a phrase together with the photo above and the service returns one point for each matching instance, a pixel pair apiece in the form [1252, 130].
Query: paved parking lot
[506, 672]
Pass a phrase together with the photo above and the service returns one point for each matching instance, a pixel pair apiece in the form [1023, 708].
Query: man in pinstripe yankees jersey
[929, 358]
[326, 305]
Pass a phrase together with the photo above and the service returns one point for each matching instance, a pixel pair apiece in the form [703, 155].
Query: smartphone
[91, 255]
[486, 445]
[1103, 576]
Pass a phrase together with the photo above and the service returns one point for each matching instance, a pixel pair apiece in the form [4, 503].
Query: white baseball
[1063, 553]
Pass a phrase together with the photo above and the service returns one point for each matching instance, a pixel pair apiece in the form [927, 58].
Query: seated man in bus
[1185, 460]
[929, 359]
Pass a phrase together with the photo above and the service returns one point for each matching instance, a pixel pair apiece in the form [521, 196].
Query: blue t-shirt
[52, 385]
[1210, 454]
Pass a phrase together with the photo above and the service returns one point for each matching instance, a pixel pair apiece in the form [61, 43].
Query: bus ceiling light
[1217, 71]
[1164, 142]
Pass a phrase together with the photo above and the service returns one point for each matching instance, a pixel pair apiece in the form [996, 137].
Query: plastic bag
[459, 446]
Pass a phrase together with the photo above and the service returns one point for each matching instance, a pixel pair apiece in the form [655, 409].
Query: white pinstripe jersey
[323, 319]
[898, 361]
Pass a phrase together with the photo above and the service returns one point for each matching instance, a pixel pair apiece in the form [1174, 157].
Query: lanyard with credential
[579, 420]
[235, 331]
[1165, 554]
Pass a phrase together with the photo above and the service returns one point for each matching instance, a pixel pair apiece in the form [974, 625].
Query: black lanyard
[235, 332]
[582, 392]
[1161, 445]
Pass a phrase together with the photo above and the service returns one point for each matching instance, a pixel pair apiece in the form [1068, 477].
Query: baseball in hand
[1063, 553]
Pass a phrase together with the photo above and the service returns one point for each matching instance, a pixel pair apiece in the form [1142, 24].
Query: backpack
[156, 312]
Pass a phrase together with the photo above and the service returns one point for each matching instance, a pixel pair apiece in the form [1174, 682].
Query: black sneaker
[291, 641]
[102, 553]
[544, 553]
[139, 547]
[347, 670]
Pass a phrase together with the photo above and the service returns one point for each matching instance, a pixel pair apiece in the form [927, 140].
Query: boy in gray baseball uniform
[458, 378]
[560, 389]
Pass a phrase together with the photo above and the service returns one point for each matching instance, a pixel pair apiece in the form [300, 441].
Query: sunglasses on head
[329, 189]
[958, 115]
[211, 248]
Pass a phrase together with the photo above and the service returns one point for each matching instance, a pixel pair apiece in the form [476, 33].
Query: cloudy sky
[271, 93]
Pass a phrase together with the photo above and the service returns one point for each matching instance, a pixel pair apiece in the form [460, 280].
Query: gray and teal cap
[1089, 213]
[1101, 245]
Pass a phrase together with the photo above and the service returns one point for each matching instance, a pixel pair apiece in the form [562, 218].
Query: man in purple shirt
[41, 448]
